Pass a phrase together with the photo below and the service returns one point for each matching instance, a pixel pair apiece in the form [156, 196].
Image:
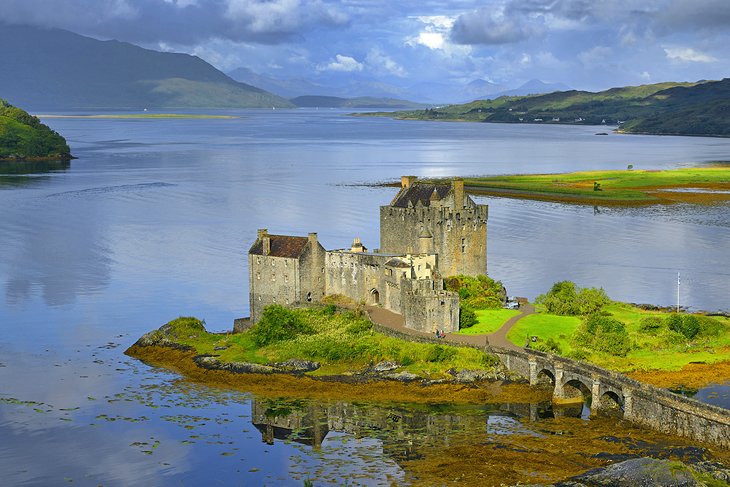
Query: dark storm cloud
[490, 26]
[694, 14]
[184, 22]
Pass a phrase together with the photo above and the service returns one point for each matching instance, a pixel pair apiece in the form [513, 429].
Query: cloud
[596, 56]
[342, 63]
[494, 26]
[435, 29]
[185, 22]
[693, 14]
[688, 55]
[381, 62]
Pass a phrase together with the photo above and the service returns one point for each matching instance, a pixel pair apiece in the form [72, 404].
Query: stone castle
[427, 232]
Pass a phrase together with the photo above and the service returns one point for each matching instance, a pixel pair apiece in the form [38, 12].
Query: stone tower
[436, 218]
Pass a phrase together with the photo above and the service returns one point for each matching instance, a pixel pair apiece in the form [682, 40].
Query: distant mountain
[55, 69]
[24, 137]
[426, 92]
[665, 108]
[358, 102]
[287, 88]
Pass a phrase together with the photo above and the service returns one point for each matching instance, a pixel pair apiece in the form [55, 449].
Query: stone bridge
[640, 403]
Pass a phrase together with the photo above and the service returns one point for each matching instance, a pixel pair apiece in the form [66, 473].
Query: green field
[659, 351]
[621, 187]
[490, 320]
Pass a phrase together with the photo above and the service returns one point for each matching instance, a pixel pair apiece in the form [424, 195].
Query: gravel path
[395, 321]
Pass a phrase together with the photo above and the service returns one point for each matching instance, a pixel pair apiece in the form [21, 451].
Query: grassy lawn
[617, 187]
[490, 320]
[559, 328]
[659, 351]
[341, 341]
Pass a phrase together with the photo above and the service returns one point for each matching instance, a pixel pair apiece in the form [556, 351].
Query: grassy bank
[653, 346]
[342, 341]
[705, 185]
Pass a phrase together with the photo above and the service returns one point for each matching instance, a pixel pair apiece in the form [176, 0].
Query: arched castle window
[463, 245]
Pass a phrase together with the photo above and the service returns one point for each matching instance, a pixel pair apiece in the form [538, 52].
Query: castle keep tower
[440, 219]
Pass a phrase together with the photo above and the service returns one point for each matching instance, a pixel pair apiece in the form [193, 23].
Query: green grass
[619, 186]
[490, 320]
[341, 342]
[545, 326]
[663, 351]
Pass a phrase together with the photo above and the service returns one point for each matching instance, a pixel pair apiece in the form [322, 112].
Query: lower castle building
[427, 232]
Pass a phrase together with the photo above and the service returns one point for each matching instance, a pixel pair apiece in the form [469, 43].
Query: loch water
[154, 218]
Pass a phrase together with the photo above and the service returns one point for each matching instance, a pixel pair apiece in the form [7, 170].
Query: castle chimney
[407, 181]
[312, 237]
[457, 187]
[265, 241]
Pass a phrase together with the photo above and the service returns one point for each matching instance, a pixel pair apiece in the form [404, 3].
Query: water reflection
[15, 174]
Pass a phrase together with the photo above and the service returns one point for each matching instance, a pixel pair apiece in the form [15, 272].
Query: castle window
[458, 217]
[309, 297]
[258, 260]
[273, 276]
[286, 263]
[463, 245]
[258, 276]
[286, 278]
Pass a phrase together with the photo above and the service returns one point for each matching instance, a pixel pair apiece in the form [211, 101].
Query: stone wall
[272, 280]
[312, 272]
[459, 237]
[427, 307]
[362, 277]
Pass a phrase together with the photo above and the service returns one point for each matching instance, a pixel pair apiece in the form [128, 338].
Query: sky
[584, 44]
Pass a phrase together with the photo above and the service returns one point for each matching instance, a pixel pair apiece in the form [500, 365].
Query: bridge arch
[573, 387]
[546, 376]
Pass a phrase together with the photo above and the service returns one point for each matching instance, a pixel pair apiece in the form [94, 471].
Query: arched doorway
[374, 296]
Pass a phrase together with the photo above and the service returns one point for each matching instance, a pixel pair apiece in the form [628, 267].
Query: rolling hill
[665, 108]
[51, 69]
[24, 137]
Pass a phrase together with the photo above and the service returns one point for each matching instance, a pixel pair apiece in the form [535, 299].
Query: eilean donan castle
[427, 232]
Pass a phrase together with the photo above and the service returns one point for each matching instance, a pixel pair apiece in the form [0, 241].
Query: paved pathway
[395, 321]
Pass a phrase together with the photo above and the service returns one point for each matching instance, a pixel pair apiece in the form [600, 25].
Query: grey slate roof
[419, 192]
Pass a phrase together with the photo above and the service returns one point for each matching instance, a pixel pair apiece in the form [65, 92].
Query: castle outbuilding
[428, 231]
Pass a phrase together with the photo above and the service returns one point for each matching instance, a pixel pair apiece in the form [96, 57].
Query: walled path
[395, 321]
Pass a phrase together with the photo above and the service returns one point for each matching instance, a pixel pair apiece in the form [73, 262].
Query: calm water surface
[154, 218]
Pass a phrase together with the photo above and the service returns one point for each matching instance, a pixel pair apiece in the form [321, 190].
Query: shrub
[467, 317]
[329, 310]
[603, 334]
[277, 324]
[651, 325]
[687, 325]
[550, 346]
[438, 353]
[184, 327]
[578, 354]
[566, 299]
[359, 327]
[710, 327]
[480, 292]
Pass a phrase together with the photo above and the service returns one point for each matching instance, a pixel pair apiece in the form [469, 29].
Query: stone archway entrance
[374, 296]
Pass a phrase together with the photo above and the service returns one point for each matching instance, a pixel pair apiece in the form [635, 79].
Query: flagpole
[678, 282]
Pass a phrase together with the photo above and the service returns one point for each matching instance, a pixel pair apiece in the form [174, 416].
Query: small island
[24, 138]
